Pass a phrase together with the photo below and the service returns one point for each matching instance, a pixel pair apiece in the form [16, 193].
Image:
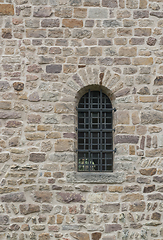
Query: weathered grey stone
[67, 197]
[4, 219]
[41, 107]
[95, 177]
[50, 119]
[37, 157]
[126, 139]
[71, 227]
[13, 197]
[158, 81]
[98, 13]
[92, 3]
[109, 3]
[81, 33]
[154, 197]
[143, 79]
[106, 61]
[55, 68]
[42, 196]
[29, 208]
[141, 14]
[10, 115]
[112, 227]
[151, 117]
[42, 12]
[111, 23]
[110, 208]
[157, 14]
[4, 157]
[75, 2]
[144, 91]
[4, 85]
[50, 23]
[80, 236]
[158, 179]
[50, 96]
[45, 60]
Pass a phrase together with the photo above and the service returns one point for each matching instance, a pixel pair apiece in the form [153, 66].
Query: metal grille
[95, 145]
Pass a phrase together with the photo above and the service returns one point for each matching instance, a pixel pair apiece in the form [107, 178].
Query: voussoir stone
[148, 171]
[29, 208]
[13, 197]
[66, 197]
[37, 157]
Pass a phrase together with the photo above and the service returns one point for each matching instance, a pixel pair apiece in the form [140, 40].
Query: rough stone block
[42, 196]
[126, 139]
[42, 12]
[64, 145]
[109, 3]
[151, 117]
[66, 197]
[98, 13]
[112, 227]
[50, 23]
[13, 197]
[72, 23]
[137, 206]
[29, 208]
[110, 208]
[37, 157]
[6, 9]
[80, 235]
[54, 68]
[4, 219]
[128, 52]
[35, 33]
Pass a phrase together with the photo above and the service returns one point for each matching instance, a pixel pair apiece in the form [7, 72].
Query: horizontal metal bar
[95, 130]
[95, 109]
[96, 151]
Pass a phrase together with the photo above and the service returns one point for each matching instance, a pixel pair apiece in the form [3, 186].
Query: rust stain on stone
[101, 76]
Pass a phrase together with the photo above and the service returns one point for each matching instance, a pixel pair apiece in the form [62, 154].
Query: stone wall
[51, 51]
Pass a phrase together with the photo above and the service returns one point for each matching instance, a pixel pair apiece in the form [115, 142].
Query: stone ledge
[92, 177]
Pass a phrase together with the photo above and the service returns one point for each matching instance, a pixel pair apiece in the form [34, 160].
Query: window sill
[93, 177]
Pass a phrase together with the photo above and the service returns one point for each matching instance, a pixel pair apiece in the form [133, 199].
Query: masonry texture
[52, 52]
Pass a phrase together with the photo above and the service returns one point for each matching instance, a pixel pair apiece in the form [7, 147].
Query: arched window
[95, 132]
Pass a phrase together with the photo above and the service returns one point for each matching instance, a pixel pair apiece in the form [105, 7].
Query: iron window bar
[95, 141]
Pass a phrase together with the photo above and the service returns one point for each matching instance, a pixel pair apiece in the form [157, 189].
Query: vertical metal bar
[101, 128]
[89, 128]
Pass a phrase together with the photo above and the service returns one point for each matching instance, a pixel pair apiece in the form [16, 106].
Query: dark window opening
[95, 140]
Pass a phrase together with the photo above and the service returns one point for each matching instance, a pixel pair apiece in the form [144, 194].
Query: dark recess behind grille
[95, 145]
